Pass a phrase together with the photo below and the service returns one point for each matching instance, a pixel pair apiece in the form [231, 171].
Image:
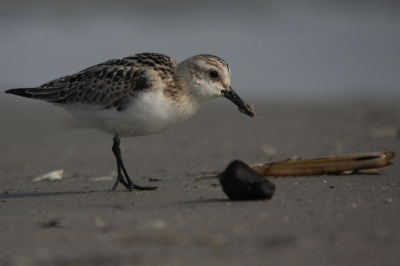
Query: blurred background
[322, 52]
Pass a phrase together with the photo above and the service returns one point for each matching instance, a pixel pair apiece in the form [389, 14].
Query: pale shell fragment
[51, 176]
[110, 177]
[103, 178]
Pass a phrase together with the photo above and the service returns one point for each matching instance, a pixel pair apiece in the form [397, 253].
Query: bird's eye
[213, 74]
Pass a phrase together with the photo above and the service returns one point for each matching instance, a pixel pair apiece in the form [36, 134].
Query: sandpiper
[138, 95]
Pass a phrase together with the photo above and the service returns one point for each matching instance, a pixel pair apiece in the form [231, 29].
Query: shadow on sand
[52, 193]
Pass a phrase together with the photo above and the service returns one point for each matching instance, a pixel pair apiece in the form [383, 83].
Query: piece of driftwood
[320, 166]
[328, 165]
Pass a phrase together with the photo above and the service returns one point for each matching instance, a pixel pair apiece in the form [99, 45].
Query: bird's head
[208, 77]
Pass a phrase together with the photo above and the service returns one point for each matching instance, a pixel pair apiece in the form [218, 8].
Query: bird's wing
[101, 85]
[104, 85]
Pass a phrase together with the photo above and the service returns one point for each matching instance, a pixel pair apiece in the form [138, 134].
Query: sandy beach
[316, 220]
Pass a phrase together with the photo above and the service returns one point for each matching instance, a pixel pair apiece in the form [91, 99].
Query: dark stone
[240, 182]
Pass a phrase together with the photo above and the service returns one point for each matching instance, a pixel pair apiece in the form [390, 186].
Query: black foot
[133, 187]
[143, 188]
[130, 185]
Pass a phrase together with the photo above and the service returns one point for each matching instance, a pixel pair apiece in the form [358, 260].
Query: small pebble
[99, 222]
[154, 179]
[353, 205]
[388, 200]
[53, 223]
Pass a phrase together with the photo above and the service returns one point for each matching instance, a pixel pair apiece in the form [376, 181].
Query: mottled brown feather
[109, 83]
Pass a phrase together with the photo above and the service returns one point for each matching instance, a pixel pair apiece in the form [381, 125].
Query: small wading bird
[139, 95]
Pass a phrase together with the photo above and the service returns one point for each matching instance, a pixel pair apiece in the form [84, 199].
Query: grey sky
[319, 51]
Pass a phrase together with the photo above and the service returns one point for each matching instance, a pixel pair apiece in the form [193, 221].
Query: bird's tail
[20, 92]
[51, 95]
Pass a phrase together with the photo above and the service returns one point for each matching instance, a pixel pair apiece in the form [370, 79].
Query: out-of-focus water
[292, 51]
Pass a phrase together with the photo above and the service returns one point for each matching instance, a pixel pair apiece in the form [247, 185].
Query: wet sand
[316, 220]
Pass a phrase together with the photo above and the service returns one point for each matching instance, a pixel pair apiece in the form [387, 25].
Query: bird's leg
[128, 183]
[117, 152]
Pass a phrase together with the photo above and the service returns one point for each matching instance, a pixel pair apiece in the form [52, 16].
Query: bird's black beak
[233, 97]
